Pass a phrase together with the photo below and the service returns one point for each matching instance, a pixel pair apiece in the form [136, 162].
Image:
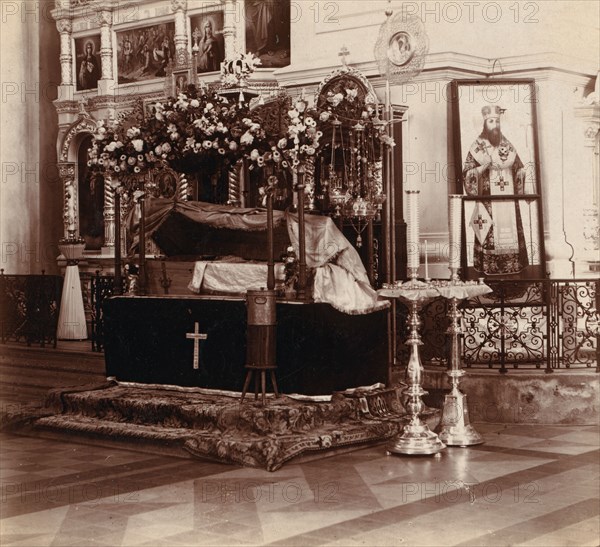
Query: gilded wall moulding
[177, 5]
[84, 124]
[64, 25]
[64, 107]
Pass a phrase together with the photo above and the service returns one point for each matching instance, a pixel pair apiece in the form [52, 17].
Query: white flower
[325, 116]
[310, 150]
[254, 155]
[310, 122]
[293, 113]
[300, 106]
[166, 148]
[207, 144]
[138, 144]
[246, 138]
[387, 140]
[208, 107]
[282, 143]
[336, 99]
[159, 116]
[233, 145]
[194, 103]
[351, 94]
[174, 136]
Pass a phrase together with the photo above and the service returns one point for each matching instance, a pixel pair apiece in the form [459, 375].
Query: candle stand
[416, 437]
[455, 428]
[71, 319]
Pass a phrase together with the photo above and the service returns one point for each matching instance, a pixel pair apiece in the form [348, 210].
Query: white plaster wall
[555, 42]
[19, 145]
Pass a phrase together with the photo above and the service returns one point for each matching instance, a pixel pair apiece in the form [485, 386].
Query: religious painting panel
[149, 108]
[87, 62]
[268, 31]
[207, 39]
[180, 82]
[496, 154]
[91, 199]
[144, 53]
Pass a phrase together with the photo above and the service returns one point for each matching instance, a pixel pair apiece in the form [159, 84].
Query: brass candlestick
[416, 438]
[455, 428]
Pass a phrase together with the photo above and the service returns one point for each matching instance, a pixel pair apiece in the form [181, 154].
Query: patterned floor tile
[531, 485]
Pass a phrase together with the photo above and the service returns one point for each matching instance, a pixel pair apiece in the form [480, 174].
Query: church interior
[292, 272]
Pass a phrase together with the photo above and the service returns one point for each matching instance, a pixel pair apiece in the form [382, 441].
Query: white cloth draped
[340, 278]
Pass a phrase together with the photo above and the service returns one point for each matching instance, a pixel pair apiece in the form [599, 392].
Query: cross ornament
[197, 34]
[480, 221]
[343, 54]
[502, 183]
[196, 336]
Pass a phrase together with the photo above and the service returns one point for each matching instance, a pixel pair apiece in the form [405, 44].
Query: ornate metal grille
[29, 308]
[532, 324]
[101, 288]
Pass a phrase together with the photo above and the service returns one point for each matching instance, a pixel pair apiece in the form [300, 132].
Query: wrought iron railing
[29, 308]
[101, 288]
[544, 324]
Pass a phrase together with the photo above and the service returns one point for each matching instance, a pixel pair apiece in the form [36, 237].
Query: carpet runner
[210, 424]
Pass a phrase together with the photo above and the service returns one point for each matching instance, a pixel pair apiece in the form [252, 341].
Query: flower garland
[121, 152]
[197, 128]
[201, 129]
[299, 143]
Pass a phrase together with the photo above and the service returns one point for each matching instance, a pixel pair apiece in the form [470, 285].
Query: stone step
[46, 377]
[28, 373]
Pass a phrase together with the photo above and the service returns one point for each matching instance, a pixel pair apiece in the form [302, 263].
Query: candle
[70, 208]
[426, 261]
[412, 232]
[454, 227]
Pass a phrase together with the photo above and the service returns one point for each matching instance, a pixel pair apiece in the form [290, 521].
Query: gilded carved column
[229, 29]
[109, 214]
[66, 171]
[179, 7]
[64, 27]
[106, 49]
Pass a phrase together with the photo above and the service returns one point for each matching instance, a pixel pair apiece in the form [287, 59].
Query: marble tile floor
[527, 485]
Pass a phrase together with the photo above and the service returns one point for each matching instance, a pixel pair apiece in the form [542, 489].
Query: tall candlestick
[426, 261]
[71, 227]
[412, 231]
[454, 227]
